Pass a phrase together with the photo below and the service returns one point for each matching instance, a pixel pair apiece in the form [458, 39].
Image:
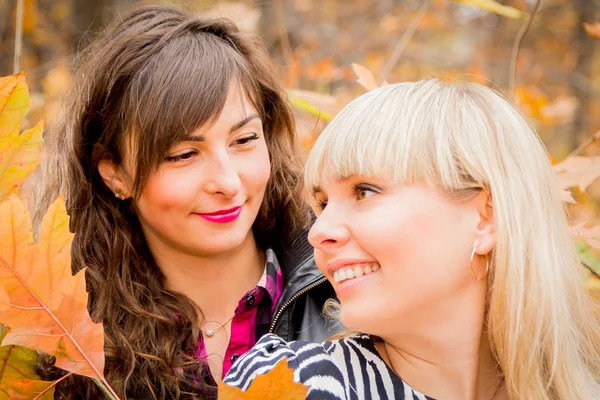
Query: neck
[207, 280]
[446, 353]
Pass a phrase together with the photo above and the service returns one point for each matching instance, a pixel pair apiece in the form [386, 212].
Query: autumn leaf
[365, 77]
[19, 154]
[592, 29]
[276, 384]
[497, 8]
[577, 171]
[18, 378]
[45, 306]
[591, 235]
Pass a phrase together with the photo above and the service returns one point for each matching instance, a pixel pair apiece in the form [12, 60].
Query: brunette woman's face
[206, 194]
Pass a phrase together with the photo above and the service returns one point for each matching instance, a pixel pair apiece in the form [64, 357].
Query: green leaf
[18, 379]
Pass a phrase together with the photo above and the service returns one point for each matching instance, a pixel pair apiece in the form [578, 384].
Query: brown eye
[181, 157]
[364, 191]
[246, 139]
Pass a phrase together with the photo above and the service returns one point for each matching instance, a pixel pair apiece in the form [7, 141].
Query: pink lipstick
[222, 216]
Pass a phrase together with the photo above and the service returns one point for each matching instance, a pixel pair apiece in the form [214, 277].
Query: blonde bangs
[415, 142]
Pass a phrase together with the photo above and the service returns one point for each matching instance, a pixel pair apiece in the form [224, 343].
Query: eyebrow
[235, 127]
[243, 122]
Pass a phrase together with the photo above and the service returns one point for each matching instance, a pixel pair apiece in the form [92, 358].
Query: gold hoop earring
[120, 194]
[487, 266]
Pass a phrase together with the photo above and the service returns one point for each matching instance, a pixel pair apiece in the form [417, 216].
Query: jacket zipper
[294, 297]
[169, 393]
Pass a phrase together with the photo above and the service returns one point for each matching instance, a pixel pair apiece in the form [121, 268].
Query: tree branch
[406, 37]
[515, 50]
[18, 37]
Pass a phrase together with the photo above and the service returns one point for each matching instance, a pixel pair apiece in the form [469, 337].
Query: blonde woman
[440, 227]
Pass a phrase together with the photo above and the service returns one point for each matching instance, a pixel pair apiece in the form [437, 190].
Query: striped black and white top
[346, 369]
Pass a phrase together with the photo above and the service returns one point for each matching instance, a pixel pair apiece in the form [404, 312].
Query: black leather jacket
[298, 315]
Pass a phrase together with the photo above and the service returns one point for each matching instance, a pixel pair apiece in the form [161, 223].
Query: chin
[359, 320]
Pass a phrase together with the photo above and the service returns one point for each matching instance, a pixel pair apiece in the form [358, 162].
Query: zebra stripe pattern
[346, 369]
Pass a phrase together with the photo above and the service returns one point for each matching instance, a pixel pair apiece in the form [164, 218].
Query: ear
[485, 235]
[113, 177]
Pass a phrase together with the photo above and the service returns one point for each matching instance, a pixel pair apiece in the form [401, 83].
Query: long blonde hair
[464, 137]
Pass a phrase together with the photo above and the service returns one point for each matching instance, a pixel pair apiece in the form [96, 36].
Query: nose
[222, 176]
[329, 232]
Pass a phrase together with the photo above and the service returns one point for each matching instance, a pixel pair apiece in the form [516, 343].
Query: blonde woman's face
[394, 253]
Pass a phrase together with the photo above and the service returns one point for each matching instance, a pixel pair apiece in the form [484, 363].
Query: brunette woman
[176, 156]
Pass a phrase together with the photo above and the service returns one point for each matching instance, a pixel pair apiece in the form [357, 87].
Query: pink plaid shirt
[252, 317]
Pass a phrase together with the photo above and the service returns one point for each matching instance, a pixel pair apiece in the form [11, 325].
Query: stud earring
[487, 266]
[120, 194]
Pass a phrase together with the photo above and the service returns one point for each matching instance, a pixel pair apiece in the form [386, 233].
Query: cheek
[165, 191]
[419, 244]
[255, 171]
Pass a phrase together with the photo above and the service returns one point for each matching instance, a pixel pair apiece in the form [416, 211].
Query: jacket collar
[296, 259]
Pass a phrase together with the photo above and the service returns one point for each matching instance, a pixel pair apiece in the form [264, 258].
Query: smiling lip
[222, 216]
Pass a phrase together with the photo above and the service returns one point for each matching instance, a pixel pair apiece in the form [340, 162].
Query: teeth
[357, 271]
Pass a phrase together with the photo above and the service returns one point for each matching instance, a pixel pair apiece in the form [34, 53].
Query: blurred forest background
[315, 42]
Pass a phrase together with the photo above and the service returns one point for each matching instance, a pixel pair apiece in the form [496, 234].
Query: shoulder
[324, 367]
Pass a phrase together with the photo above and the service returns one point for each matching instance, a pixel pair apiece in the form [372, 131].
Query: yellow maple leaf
[19, 153]
[42, 303]
[276, 384]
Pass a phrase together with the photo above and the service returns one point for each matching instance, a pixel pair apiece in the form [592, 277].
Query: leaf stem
[512, 76]
[109, 393]
[56, 382]
[584, 145]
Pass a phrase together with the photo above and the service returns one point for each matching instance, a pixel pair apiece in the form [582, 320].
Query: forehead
[238, 108]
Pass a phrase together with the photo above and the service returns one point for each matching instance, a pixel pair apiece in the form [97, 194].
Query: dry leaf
[19, 154]
[18, 378]
[561, 110]
[276, 384]
[45, 306]
[577, 171]
[566, 196]
[497, 8]
[591, 235]
[592, 29]
[365, 77]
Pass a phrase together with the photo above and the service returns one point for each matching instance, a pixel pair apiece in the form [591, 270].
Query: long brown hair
[149, 79]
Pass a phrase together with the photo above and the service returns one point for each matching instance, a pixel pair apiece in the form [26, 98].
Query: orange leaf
[276, 384]
[365, 77]
[577, 171]
[19, 154]
[592, 29]
[18, 378]
[42, 303]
